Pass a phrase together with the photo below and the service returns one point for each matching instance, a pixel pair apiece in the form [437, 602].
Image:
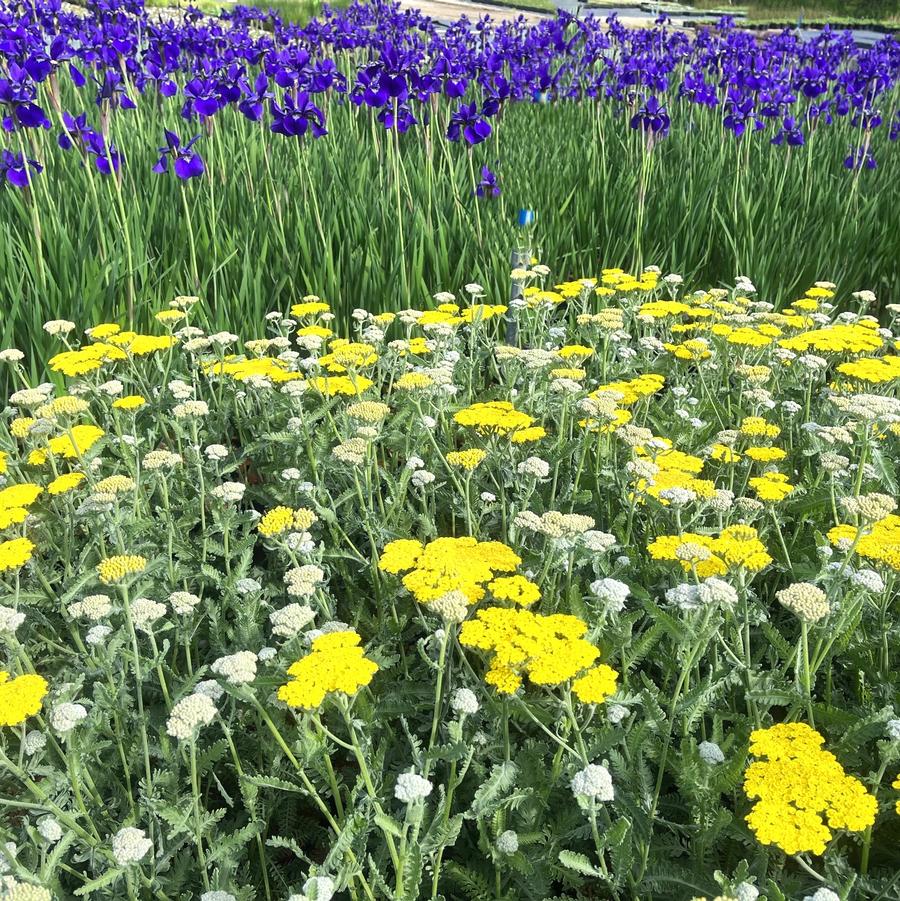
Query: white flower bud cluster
[464, 701]
[183, 602]
[34, 741]
[13, 890]
[451, 606]
[598, 542]
[534, 467]
[290, 620]
[710, 752]
[10, 619]
[144, 613]
[66, 716]
[422, 477]
[806, 601]
[595, 782]
[302, 581]
[822, 894]
[611, 592]
[868, 580]
[316, 888]
[161, 459]
[508, 842]
[189, 715]
[191, 409]
[236, 669]
[93, 607]
[97, 634]
[411, 787]
[129, 845]
[49, 829]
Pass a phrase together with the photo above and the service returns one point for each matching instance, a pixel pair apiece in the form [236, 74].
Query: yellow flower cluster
[757, 427]
[20, 697]
[773, 486]
[481, 312]
[15, 554]
[676, 469]
[65, 483]
[857, 337]
[737, 547]
[340, 384]
[802, 793]
[113, 569]
[336, 663]
[414, 381]
[281, 519]
[881, 542]
[550, 650]
[498, 416]
[467, 459]
[448, 564]
[311, 306]
[874, 370]
[633, 390]
[129, 402]
[346, 355]
[258, 367]
[73, 444]
[694, 349]
[15, 502]
[516, 588]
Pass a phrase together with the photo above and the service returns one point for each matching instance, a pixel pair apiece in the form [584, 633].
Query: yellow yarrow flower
[21, 495]
[15, 554]
[282, 519]
[801, 791]
[467, 459]
[129, 402]
[20, 697]
[76, 442]
[114, 569]
[335, 664]
[66, 482]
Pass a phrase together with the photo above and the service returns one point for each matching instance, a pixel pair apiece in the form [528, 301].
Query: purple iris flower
[112, 90]
[17, 94]
[402, 120]
[652, 117]
[789, 132]
[106, 157]
[17, 169]
[253, 103]
[488, 186]
[298, 116]
[76, 131]
[859, 158]
[467, 123]
[202, 98]
[740, 115]
[187, 162]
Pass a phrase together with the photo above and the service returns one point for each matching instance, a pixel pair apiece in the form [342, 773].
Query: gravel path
[449, 10]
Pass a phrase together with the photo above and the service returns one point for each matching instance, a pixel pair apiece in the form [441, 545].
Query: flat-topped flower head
[336, 664]
[113, 570]
[20, 697]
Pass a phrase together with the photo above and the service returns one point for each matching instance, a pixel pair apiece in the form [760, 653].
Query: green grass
[362, 218]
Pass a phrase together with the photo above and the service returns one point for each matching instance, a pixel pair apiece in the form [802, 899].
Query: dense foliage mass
[591, 597]
[373, 154]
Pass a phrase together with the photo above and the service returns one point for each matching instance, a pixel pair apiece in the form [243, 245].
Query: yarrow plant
[399, 607]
